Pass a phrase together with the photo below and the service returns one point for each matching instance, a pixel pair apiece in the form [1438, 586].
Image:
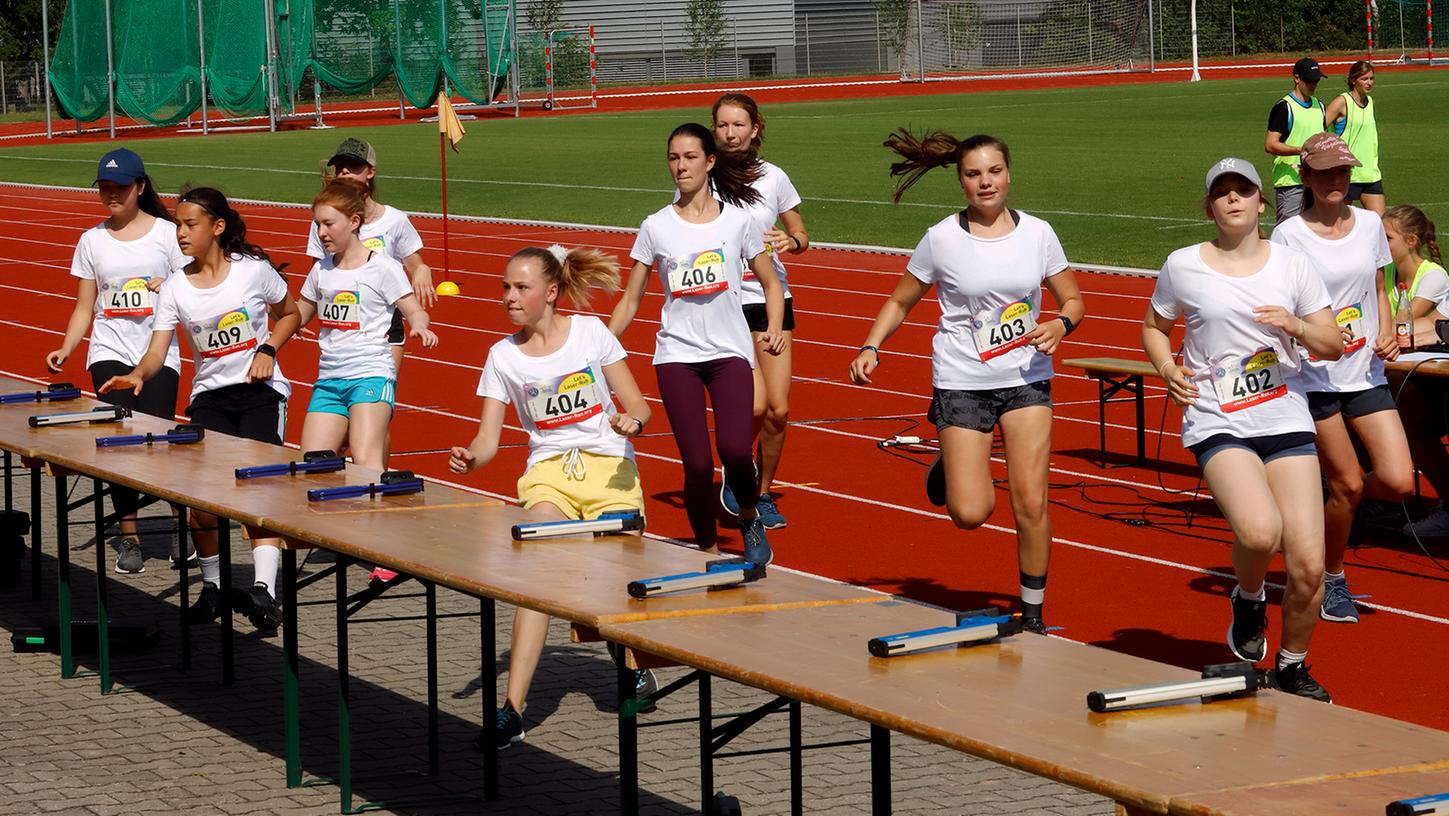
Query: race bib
[341, 309]
[1350, 318]
[226, 334]
[1252, 380]
[998, 331]
[375, 243]
[570, 399]
[126, 297]
[699, 274]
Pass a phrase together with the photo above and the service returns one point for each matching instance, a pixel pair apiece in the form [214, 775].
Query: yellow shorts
[609, 483]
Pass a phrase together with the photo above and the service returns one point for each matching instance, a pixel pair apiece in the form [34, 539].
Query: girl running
[385, 230]
[1347, 248]
[355, 290]
[1248, 305]
[558, 371]
[1351, 115]
[701, 246]
[120, 263]
[222, 301]
[990, 364]
[740, 129]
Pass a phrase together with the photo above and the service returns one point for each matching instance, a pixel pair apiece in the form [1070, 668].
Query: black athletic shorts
[158, 399]
[1356, 191]
[248, 410]
[1267, 448]
[981, 410]
[759, 321]
[1352, 404]
[397, 334]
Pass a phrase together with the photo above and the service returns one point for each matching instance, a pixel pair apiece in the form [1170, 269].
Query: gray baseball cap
[1237, 167]
[355, 149]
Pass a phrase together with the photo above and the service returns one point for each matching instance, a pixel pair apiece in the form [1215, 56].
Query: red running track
[1128, 572]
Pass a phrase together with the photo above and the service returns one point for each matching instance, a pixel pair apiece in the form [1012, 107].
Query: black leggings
[158, 399]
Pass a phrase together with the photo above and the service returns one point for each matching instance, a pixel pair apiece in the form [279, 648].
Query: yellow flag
[448, 124]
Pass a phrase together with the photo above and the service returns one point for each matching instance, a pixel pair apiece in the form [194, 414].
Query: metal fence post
[663, 55]
[201, 52]
[735, 33]
[879, 68]
[1233, 29]
[1018, 37]
[4, 95]
[110, 73]
[1151, 43]
[45, 46]
[920, 41]
[807, 45]
[1091, 55]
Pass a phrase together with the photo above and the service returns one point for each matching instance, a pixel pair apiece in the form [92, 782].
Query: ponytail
[920, 154]
[576, 271]
[233, 238]
[734, 174]
[149, 202]
[1410, 220]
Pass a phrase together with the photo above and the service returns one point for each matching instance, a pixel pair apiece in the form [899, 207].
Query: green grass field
[1117, 170]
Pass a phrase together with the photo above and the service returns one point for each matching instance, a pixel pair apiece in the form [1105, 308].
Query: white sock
[265, 560]
[1287, 658]
[211, 569]
[1260, 595]
[1332, 576]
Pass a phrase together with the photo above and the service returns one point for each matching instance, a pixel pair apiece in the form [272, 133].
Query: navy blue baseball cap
[120, 166]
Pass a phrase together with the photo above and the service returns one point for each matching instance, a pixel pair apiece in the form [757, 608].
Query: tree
[706, 28]
[895, 19]
[543, 15]
[20, 37]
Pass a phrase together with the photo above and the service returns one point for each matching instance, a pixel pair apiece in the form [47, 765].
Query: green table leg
[62, 578]
[35, 528]
[103, 616]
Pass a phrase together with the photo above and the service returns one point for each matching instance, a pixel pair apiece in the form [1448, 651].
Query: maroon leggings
[731, 387]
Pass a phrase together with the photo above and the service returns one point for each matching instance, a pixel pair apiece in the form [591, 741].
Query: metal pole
[879, 68]
[45, 50]
[1368, 16]
[735, 35]
[1233, 29]
[920, 41]
[663, 55]
[1403, 49]
[4, 97]
[516, 72]
[201, 51]
[1091, 54]
[1018, 37]
[807, 45]
[1192, 17]
[397, 59]
[110, 73]
[1429, 12]
[1151, 43]
[442, 64]
[269, 69]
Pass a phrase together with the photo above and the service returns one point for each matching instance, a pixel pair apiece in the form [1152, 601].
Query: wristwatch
[267, 349]
[1067, 321]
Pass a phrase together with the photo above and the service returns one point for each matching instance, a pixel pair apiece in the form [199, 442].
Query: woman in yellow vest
[1351, 115]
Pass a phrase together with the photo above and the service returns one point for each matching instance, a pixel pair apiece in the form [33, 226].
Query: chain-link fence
[22, 87]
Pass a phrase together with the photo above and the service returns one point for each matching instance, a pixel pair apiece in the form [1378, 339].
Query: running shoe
[176, 553]
[264, 613]
[1380, 513]
[1247, 636]
[936, 483]
[128, 556]
[1434, 525]
[769, 513]
[1034, 625]
[509, 728]
[644, 686]
[1337, 602]
[727, 499]
[207, 607]
[757, 544]
[1295, 679]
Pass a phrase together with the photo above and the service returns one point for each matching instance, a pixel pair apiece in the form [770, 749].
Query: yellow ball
[447, 288]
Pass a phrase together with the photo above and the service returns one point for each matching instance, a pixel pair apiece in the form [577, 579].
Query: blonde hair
[1410, 220]
[576, 271]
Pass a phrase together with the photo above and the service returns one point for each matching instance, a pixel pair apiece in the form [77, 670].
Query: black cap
[1307, 70]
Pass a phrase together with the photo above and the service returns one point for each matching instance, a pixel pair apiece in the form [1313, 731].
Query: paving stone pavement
[172, 741]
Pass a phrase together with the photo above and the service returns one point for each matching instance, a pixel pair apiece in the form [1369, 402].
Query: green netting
[351, 45]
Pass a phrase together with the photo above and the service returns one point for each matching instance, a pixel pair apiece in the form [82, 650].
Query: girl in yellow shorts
[558, 371]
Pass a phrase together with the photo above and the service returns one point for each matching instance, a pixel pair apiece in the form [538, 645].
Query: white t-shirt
[700, 266]
[777, 195]
[1349, 267]
[562, 399]
[1246, 372]
[391, 234]
[125, 308]
[224, 324]
[990, 293]
[354, 308]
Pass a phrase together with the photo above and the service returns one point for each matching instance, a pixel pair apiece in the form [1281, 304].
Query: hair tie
[559, 254]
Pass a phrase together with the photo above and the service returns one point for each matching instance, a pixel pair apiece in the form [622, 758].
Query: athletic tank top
[1303, 121]
[1361, 133]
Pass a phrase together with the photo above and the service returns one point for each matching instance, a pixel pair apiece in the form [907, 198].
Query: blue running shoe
[727, 500]
[769, 513]
[757, 545]
[1337, 602]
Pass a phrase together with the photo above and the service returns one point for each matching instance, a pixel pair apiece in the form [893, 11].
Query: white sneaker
[1434, 525]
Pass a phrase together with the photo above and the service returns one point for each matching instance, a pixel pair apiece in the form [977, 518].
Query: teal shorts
[338, 396]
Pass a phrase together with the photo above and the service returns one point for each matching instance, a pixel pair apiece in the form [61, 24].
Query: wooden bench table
[1113, 376]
